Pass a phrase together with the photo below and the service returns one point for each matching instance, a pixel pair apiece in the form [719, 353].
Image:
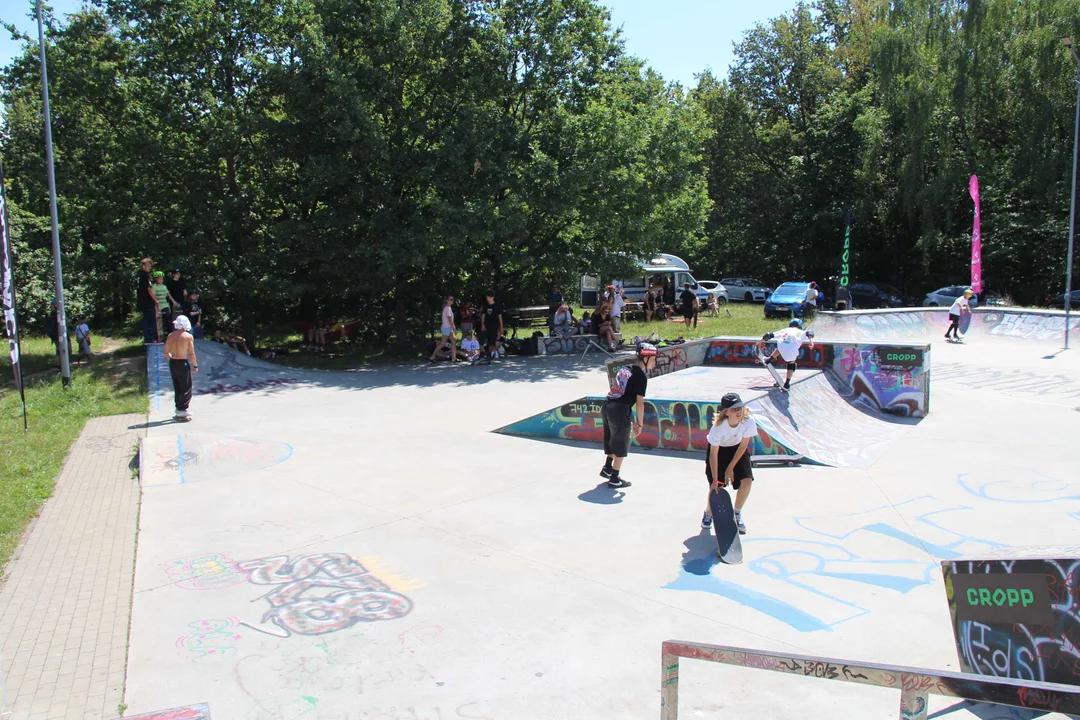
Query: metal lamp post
[61, 320]
[1072, 207]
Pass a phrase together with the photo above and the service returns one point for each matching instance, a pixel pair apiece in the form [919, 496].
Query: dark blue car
[786, 300]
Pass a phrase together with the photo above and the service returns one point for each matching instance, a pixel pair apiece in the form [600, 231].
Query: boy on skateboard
[627, 391]
[961, 306]
[727, 461]
[788, 343]
[180, 349]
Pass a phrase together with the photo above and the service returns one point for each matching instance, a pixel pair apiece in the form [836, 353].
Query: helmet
[158, 274]
[647, 350]
[795, 322]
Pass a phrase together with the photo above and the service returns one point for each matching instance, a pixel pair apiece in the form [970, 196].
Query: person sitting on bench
[564, 322]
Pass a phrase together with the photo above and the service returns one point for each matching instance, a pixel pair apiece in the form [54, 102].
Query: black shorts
[743, 468]
[491, 335]
[617, 422]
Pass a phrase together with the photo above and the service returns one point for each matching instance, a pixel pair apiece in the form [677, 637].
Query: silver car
[716, 289]
[944, 297]
[745, 289]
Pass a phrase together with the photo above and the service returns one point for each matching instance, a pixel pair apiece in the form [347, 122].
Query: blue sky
[678, 37]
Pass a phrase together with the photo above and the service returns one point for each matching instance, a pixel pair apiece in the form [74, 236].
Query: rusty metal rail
[916, 685]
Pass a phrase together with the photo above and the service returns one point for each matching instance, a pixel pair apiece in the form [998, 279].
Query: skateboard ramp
[815, 421]
[907, 324]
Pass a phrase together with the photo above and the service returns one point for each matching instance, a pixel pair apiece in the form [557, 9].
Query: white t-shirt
[960, 302]
[617, 305]
[82, 332]
[724, 435]
[811, 295]
[788, 342]
[470, 345]
[447, 316]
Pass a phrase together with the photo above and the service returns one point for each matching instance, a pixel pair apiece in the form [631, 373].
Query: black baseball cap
[731, 400]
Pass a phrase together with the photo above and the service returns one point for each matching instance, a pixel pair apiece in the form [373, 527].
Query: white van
[662, 271]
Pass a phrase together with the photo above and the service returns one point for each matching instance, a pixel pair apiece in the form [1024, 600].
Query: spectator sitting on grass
[316, 336]
[601, 325]
[232, 340]
[564, 322]
[470, 346]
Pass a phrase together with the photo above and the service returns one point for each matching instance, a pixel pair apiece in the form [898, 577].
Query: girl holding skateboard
[729, 451]
[960, 306]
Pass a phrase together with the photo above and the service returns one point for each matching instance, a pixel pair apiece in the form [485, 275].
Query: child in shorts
[82, 335]
[470, 346]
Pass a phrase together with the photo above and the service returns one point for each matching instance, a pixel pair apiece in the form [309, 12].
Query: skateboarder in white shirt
[788, 343]
[960, 306]
[727, 460]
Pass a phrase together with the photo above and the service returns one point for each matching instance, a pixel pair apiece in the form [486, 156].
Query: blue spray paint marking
[1011, 490]
[817, 573]
[180, 456]
[155, 363]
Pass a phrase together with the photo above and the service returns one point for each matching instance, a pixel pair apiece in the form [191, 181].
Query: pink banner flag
[976, 239]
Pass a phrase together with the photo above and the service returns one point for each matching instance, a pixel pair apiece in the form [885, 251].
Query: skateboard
[728, 544]
[965, 323]
[182, 418]
[772, 371]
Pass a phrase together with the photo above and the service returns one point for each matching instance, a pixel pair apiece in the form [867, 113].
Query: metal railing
[915, 684]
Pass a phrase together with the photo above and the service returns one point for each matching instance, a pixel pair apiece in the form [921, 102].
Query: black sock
[614, 476]
[607, 464]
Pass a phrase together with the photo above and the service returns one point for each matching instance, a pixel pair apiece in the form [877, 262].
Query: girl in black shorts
[727, 461]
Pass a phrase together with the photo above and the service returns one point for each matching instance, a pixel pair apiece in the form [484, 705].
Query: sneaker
[606, 472]
[739, 523]
[618, 482]
[787, 384]
[706, 521]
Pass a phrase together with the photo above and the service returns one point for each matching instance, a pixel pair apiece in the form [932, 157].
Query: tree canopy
[361, 158]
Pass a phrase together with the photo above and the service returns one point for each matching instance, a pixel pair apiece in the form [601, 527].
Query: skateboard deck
[182, 418]
[728, 544]
[965, 323]
[772, 371]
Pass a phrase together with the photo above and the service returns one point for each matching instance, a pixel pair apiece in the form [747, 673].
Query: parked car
[1059, 301]
[716, 289]
[875, 295]
[992, 298]
[786, 299]
[745, 289]
[944, 297]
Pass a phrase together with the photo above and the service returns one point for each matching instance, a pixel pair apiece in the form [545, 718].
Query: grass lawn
[741, 319]
[30, 461]
[38, 353]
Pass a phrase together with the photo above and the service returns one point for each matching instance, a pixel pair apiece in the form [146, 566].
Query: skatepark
[382, 543]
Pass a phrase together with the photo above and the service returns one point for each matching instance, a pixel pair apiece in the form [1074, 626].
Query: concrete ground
[360, 545]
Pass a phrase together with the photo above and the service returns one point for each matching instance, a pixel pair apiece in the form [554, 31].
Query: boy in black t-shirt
[688, 305]
[195, 313]
[491, 325]
[627, 393]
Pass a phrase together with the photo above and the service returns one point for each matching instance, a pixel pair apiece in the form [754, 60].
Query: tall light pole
[61, 320]
[1072, 207]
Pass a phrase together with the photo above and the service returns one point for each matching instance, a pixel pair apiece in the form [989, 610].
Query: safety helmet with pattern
[647, 350]
[795, 322]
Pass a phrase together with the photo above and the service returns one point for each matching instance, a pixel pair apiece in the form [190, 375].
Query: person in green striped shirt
[162, 298]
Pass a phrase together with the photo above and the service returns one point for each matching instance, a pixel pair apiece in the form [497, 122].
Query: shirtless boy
[180, 349]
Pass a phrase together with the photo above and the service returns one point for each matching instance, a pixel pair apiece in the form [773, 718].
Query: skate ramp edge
[906, 324]
[681, 425]
[893, 378]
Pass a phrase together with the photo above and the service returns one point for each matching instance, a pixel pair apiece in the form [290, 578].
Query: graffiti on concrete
[208, 572]
[1013, 381]
[560, 345]
[321, 593]
[180, 459]
[745, 352]
[191, 712]
[669, 424]
[222, 389]
[930, 323]
[1024, 651]
[671, 358]
[893, 390]
[1020, 486]
[816, 566]
[210, 638]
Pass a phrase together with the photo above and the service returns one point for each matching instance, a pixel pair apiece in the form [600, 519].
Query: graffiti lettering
[351, 594]
[821, 670]
[210, 638]
[209, 572]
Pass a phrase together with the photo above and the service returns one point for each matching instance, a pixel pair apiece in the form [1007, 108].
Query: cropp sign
[1003, 599]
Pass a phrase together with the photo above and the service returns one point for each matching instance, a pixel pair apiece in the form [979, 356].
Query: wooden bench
[528, 317]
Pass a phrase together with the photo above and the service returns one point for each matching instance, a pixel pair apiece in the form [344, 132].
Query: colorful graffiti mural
[208, 572]
[669, 424]
[1029, 626]
[671, 358]
[929, 323]
[745, 352]
[864, 378]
